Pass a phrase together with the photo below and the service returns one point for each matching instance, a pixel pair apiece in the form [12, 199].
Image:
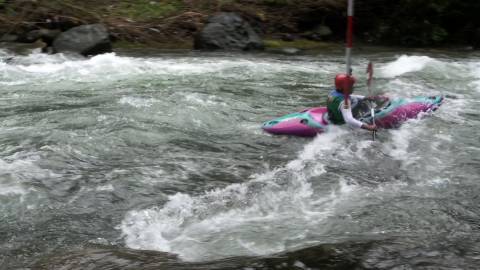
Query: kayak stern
[307, 123]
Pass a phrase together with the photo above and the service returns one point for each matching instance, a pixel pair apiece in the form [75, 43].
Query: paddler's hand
[369, 127]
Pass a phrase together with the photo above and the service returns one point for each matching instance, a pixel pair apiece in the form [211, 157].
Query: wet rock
[60, 22]
[8, 38]
[288, 37]
[228, 31]
[289, 50]
[48, 50]
[46, 35]
[87, 40]
[321, 32]
[23, 48]
[286, 50]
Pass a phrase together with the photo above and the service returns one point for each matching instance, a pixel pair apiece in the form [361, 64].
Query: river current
[158, 161]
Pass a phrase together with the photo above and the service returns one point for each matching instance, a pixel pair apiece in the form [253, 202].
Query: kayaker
[341, 101]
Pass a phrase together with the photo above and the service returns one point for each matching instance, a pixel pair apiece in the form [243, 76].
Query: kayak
[388, 114]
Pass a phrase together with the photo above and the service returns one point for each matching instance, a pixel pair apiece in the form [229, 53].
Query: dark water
[158, 162]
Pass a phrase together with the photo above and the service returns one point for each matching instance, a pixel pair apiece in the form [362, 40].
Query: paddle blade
[370, 73]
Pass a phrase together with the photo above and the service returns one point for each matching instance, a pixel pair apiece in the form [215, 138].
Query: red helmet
[343, 82]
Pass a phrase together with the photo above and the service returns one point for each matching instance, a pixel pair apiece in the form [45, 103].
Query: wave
[111, 67]
[266, 207]
[405, 64]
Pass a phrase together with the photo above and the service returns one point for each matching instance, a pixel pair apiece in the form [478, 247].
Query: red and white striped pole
[348, 51]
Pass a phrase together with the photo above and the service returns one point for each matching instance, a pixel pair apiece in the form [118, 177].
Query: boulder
[321, 32]
[228, 31]
[46, 35]
[87, 40]
[8, 38]
[288, 37]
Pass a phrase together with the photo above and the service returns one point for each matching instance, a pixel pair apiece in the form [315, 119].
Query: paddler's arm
[351, 121]
[369, 127]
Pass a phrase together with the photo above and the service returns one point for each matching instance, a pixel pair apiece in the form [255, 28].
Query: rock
[48, 50]
[286, 50]
[289, 50]
[320, 33]
[323, 30]
[228, 31]
[87, 40]
[8, 38]
[60, 22]
[46, 35]
[22, 48]
[288, 37]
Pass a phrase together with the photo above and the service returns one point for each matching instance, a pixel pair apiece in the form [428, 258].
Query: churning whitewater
[164, 153]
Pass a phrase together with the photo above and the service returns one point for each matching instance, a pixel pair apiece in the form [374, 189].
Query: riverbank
[174, 23]
[151, 22]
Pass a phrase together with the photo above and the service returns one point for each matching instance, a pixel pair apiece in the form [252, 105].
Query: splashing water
[165, 153]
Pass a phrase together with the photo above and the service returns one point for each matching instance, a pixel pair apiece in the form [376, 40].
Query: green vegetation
[419, 23]
[146, 9]
[402, 22]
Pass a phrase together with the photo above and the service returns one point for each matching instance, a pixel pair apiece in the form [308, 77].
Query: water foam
[475, 71]
[405, 64]
[137, 102]
[25, 168]
[399, 146]
[233, 221]
[205, 100]
[8, 189]
[36, 67]
[14, 174]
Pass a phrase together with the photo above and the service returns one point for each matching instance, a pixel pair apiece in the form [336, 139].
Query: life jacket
[333, 105]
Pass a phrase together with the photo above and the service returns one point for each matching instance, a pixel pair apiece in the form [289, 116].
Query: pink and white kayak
[389, 114]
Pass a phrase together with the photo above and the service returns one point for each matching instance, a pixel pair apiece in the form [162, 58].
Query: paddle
[348, 57]
[369, 84]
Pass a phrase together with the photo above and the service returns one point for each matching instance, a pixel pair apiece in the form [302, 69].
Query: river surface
[157, 161]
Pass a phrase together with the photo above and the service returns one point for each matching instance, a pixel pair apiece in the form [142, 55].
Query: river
[157, 161]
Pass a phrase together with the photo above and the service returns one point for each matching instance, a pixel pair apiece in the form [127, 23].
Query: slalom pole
[349, 45]
[348, 54]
